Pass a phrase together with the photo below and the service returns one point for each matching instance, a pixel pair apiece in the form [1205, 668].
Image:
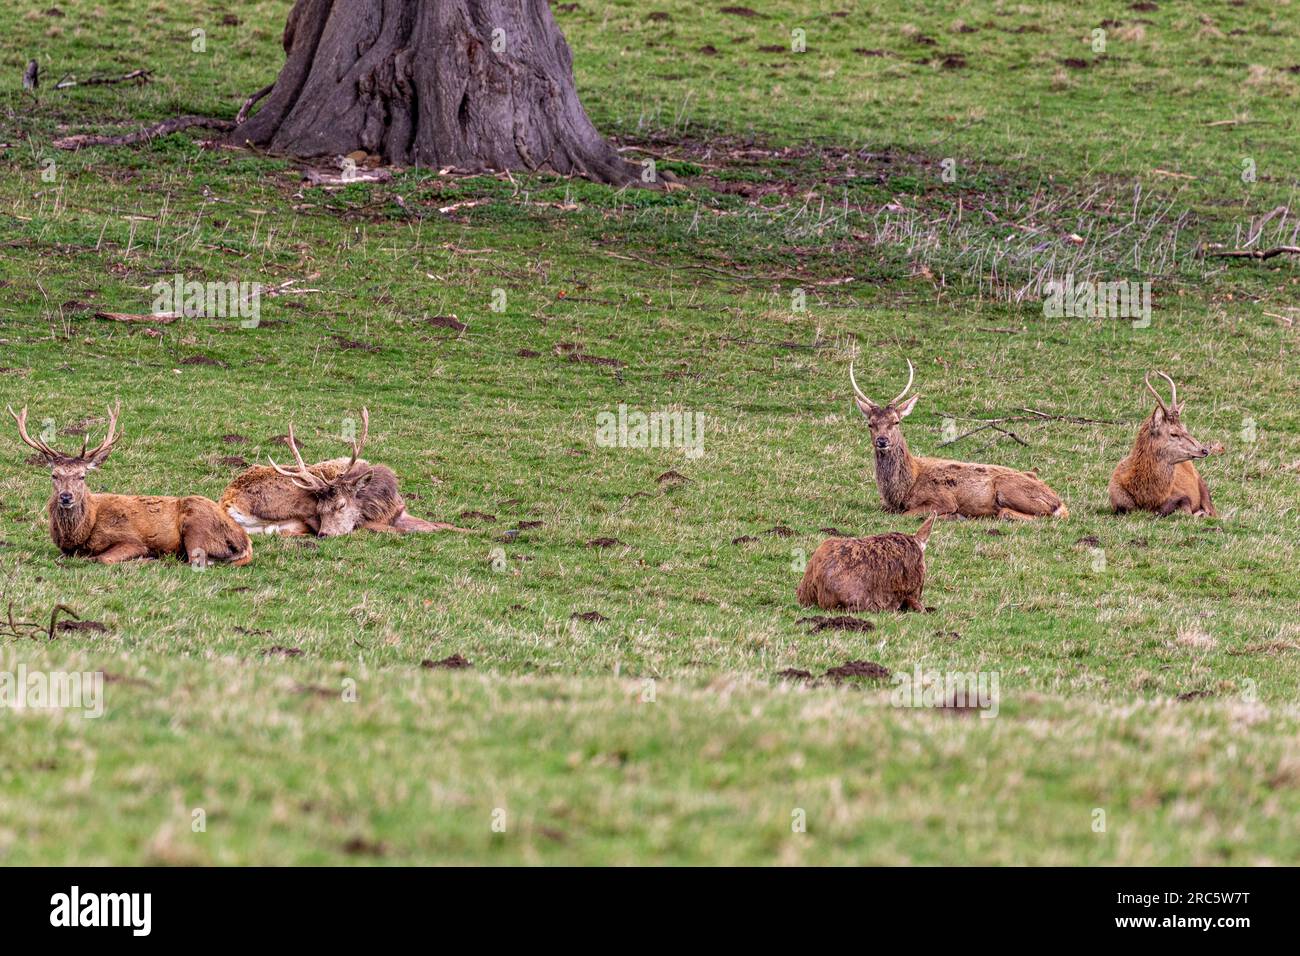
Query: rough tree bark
[471, 84]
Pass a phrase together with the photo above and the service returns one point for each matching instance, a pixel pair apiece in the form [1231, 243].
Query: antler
[110, 438]
[1173, 398]
[857, 391]
[358, 445]
[1160, 401]
[21, 419]
[300, 476]
[911, 374]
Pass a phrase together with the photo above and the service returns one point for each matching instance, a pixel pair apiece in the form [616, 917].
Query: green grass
[792, 164]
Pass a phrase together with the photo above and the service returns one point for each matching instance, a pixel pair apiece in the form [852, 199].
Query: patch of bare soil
[604, 543]
[234, 439]
[453, 663]
[283, 440]
[359, 846]
[843, 622]
[780, 531]
[202, 360]
[591, 617]
[446, 322]
[346, 344]
[233, 461]
[744, 539]
[671, 478]
[868, 669]
[477, 516]
[279, 650]
[92, 626]
[794, 673]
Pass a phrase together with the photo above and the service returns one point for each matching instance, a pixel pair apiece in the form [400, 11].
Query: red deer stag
[953, 489]
[885, 572]
[326, 499]
[1158, 474]
[116, 528]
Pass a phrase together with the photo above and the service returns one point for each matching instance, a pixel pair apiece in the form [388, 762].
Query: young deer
[1158, 474]
[326, 499]
[885, 572]
[116, 528]
[954, 489]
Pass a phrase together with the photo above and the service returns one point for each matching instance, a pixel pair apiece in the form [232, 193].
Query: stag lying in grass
[954, 489]
[1158, 474]
[326, 499]
[885, 572]
[116, 528]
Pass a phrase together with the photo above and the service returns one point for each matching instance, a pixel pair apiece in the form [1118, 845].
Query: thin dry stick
[142, 136]
[1255, 253]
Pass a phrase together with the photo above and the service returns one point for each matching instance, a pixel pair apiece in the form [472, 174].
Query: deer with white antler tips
[326, 499]
[1158, 474]
[917, 486]
[116, 528]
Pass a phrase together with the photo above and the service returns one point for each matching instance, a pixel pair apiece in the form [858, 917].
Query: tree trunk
[470, 84]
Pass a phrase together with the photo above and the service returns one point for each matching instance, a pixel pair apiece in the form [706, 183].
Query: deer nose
[882, 442]
[65, 498]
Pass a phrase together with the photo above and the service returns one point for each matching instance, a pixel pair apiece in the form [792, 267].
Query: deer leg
[1181, 503]
[946, 513]
[378, 526]
[126, 551]
[1207, 508]
[293, 528]
[407, 522]
[910, 603]
[1011, 514]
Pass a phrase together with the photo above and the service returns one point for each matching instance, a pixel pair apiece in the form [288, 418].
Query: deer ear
[99, 457]
[906, 408]
[922, 535]
[865, 407]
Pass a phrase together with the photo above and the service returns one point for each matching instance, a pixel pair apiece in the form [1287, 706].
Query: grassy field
[1149, 669]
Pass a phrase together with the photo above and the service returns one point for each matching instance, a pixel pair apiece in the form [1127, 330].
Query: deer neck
[895, 475]
[71, 527]
[1151, 475]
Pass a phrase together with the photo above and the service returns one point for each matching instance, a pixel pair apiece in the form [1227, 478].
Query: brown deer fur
[914, 485]
[116, 528]
[885, 572]
[1158, 474]
[326, 499]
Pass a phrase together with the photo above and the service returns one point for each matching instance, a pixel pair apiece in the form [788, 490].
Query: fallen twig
[140, 77]
[164, 128]
[1251, 253]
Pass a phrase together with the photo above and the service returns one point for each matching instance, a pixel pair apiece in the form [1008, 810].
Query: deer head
[338, 507]
[884, 420]
[69, 471]
[1165, 433]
